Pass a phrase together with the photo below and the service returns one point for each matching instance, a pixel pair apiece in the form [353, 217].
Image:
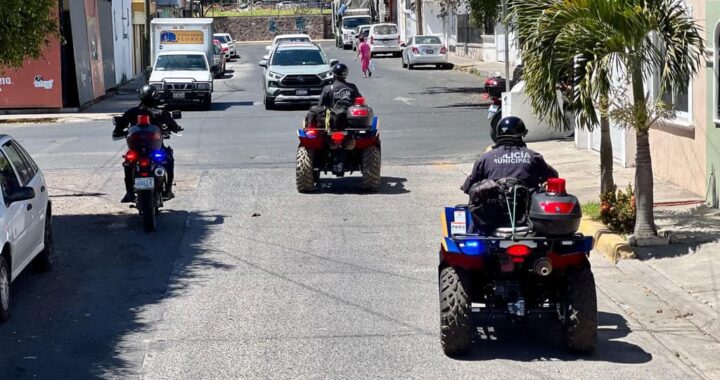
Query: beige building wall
[678, 146]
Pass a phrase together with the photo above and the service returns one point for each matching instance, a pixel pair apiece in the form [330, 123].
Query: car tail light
[555, 185]
[518, 252]
[415, 50]
[143, 120]
[359, 101]
[557, 207]
[144, 163]
[360, 112]
[372, 40]
[337, 137]
[131, 156]
[443, 50]
[491, 82]
[399, 42]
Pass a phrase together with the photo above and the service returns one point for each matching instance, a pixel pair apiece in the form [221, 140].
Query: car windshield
[386, 29]
[293, 39]
[190, 62]
[428, 40]
[352, 23]
[298, 57]
[222, 39]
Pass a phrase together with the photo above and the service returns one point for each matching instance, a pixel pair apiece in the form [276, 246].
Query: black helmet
[148, 95]
[511, 126]
[340, 71]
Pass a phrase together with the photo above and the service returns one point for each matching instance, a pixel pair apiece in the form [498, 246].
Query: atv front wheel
[579, 326]
[371, 163]
[304, 176]
[455, 314]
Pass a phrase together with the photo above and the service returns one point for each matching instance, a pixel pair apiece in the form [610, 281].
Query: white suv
[295, 72]
[25, 218]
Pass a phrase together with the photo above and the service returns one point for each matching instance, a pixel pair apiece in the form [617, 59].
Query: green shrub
[591, 210]
[618, 211]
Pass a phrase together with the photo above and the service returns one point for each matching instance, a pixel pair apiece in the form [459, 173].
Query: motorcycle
[534, 266]
[147, 159]
[495, 86]
[323, 148]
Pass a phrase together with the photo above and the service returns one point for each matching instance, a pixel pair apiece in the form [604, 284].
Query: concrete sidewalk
[479, 68]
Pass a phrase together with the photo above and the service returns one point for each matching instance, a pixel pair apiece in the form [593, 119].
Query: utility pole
[507, 46]
[419, 17]
[147, 33]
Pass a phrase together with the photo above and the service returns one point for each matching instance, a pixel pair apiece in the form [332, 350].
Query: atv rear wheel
[304, 176]
[455, 314]
[371, 164]
[579, 326]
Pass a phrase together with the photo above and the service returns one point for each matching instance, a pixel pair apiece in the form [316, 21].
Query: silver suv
[295, 73]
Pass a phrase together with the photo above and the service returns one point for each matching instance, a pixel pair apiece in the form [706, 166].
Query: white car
[283, 38]
[384, 39]
[362, 31]
[424, 50]
[25, 218]
[226, 44]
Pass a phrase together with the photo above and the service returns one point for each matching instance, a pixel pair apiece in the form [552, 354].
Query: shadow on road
[222, 106]
[73, 321]
[466, 105]
[690, 228]
[451, 90]
[353, 185]
[541, 341]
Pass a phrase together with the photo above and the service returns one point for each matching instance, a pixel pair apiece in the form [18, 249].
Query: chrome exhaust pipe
[543, 267]
[160, 172]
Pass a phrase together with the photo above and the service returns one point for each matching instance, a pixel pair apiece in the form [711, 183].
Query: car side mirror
[149, 69]
[262, 63]
[177, 115]
[334, 62]
[21, 194]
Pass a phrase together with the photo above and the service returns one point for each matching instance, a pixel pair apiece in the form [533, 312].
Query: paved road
[248, 279]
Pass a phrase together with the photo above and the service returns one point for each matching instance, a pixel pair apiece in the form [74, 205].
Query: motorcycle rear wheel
[146, 200]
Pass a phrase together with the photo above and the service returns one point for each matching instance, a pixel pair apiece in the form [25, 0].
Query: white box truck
[182, 55]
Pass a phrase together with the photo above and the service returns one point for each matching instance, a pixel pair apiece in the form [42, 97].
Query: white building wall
[123, 39]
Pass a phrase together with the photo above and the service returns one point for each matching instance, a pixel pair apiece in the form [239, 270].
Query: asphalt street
[249, 279]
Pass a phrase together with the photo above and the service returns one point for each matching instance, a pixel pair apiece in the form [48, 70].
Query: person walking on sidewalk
[364, 52]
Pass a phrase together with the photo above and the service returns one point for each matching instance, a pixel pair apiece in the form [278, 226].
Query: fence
[267, 8]
[467, 33]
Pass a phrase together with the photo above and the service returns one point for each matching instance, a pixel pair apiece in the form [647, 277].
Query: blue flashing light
[374, 123]
[158, 156]
[301, 133]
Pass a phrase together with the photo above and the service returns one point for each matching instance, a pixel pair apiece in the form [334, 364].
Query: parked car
[362, 31]
[226, 39]
[384, 39]
[25, 218]
[295, 73]
[219, 60]
[286, 5]
[282, 38]
[424, 50]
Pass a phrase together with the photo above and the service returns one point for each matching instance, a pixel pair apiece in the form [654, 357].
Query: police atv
[532, 265]
[339, 147]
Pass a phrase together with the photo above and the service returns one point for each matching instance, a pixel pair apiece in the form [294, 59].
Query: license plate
[429, 51]
[301, 92]
[178, 95]
[144, 183]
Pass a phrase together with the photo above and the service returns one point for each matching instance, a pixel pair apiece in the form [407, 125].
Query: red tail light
[415, 50]
[518, 252]
[491, 82]
[360, 112]
[372, 40]
[143, 120]
[131, 156]
[359, 101]
[337, 137]
[557, 207]
[399, 42]
[225, 49]
[443, 50]
[144, 162]
[556, 185]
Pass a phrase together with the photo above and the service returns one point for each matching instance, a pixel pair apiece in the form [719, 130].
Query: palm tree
[636, 37]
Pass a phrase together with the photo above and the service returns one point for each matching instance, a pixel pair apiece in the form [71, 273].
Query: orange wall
[36, 85]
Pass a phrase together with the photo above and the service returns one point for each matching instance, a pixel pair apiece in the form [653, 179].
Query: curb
[613, 246]
[57, 118]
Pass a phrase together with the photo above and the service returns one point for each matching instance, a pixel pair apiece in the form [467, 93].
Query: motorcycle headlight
[326, 75]
[202, 86]
[274, 75]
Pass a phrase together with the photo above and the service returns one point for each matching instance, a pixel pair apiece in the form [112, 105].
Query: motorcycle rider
[510, 158]
[148, 106]
[338, 96]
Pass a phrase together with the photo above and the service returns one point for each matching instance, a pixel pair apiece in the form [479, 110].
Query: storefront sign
[182, 37]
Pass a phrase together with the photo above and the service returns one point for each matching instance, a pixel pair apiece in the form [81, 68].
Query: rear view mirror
[334, 62]
[262, 63]
[177, 115]
[149, 69]
[21, 194]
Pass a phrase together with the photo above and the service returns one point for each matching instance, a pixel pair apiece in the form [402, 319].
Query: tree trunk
[419, 17]
[645, 220]
[606, 156]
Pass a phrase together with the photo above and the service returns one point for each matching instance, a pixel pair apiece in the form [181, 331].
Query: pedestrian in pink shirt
[364, 52]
